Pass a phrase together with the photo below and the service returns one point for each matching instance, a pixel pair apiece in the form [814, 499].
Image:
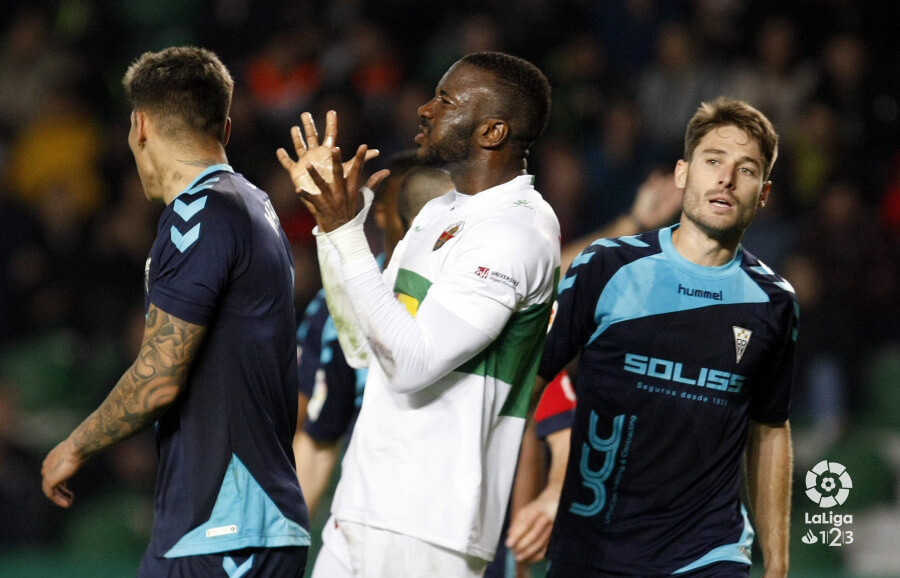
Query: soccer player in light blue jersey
[686, 345]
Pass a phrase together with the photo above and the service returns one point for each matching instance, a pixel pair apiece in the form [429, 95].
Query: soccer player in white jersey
[451, 332]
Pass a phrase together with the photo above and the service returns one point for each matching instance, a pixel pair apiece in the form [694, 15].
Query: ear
[140, 124]
[227, 132]
[764, 194]
[681, 172]
[492, 132]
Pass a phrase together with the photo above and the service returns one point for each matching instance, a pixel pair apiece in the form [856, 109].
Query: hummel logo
[714, 295]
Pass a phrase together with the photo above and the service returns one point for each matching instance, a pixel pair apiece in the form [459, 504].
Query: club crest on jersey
[741, 339]
[448, 234]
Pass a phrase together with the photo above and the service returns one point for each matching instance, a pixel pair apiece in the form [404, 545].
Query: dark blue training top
[674, 359]
[334, 388]
[226, 475]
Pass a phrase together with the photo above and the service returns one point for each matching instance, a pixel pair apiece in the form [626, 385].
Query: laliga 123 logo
[828, 484]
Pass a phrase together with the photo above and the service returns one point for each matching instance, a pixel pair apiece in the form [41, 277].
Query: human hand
[529, 531]
[657, 201]
[60, 464]
[329, 188]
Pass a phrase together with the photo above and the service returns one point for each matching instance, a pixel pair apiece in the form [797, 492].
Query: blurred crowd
[75, 228]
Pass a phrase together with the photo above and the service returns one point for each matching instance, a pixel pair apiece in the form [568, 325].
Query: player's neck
[180, 169]
[473, 177]
[697, 246]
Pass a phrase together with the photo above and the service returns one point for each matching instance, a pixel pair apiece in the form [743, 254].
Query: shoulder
[776, 287]
[523, 218]
[435, 206]
[616, 252]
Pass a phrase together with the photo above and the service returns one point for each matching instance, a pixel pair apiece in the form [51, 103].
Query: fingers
[284, 159]
[519, 526]
[309, 127]
[53, 484]
[369, 155]
[529, 533]
[324, 186]
[373, 181]
[330, 129]
[337, 169]
[309, 200]
[531, 545]
[61, 496]
[299, 145]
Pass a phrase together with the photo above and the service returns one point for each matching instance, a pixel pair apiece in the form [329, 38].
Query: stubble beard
[693, 211]
[451, 150]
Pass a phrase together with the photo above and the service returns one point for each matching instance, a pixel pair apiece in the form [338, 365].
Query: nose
[425, 109]
[726, 177]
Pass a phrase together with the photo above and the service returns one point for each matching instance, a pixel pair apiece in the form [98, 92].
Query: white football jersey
[438, 463]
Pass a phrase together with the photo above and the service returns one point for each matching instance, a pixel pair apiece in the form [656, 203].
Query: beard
[452, 149]
[693, 210]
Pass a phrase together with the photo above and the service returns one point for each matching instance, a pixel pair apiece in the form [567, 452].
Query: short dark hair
[525, 92]
[188, 87]
[728, 111]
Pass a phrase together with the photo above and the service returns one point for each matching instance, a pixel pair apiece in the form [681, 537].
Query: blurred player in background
[216, 372]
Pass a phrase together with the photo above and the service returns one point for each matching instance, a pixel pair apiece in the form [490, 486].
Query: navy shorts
[247, 563]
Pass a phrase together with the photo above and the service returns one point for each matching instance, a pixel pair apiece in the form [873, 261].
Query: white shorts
[351, 550]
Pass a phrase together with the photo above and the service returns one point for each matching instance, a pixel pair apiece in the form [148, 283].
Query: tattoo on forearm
[148, 387]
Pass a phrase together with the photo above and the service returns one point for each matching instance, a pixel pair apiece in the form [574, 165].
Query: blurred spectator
[23, 264]
[864, 129]
[457, 36]
[672, 87]
[560, 171]
[27, 520]
[846, 247]
[890, 201]
[616, 164]
[814, 150]
[629, 29]
[376, 75]
[31, 65]
[284, 76]
[773, 236]
[821, 384]
[584, 84]
[57, 155]
[773, 79]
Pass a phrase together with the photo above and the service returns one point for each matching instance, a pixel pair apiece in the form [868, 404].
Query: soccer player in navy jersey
[216, 372]
[686, 345]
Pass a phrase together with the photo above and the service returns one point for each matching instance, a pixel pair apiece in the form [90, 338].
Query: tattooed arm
[142, 394]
